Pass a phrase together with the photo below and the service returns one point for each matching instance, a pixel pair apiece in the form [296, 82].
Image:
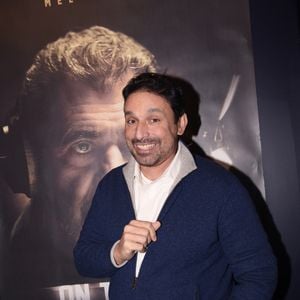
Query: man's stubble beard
[152, 159]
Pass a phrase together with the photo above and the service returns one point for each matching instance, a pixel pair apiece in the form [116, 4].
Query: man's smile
[145, 146]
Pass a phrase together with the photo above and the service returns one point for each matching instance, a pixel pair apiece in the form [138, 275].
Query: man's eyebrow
[128, 112]
[150, 110]
[74, 134]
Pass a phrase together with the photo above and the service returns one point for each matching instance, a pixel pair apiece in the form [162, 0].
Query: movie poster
[63, 66]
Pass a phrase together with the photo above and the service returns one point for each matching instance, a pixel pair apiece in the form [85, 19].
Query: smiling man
[71, 118]
[167, 225]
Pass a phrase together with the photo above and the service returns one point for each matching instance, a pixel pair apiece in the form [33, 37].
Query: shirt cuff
[112, 256]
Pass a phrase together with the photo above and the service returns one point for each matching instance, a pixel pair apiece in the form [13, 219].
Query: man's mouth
[144, 146]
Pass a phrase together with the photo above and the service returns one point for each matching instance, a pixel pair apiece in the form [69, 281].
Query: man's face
[150, 130]
[83, 140]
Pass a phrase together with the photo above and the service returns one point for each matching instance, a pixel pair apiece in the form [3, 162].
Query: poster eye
[82, 147]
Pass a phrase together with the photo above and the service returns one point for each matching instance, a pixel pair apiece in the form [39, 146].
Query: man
[71, 118]
[166, 225]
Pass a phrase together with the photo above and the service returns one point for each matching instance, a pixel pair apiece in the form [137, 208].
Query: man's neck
[153, 173]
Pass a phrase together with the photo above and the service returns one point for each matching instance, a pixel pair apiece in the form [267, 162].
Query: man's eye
[154, 120]
[82, 147]
[130, 121]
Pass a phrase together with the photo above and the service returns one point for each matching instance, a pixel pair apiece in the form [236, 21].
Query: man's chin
[146, 161]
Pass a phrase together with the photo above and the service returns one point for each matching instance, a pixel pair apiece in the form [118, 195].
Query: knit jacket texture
[210, 246]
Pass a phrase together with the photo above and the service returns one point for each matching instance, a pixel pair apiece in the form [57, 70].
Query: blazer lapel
[188, 165]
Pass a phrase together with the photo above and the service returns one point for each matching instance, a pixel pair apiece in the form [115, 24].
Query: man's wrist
[115, 261]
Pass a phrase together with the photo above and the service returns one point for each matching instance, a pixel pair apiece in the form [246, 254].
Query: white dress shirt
[150, 196]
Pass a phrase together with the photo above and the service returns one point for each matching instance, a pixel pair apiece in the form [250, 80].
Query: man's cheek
[75, 187]
[74, 197]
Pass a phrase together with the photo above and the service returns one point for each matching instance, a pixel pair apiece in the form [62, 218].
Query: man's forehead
[91, 116]
[95, 112]
[106, 92]
[97, 107]
[78, 95]
[84, 102]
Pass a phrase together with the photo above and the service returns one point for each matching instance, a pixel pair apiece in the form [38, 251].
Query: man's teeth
[145, 146]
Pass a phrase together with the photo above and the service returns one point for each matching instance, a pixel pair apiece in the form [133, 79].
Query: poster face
[61, 116]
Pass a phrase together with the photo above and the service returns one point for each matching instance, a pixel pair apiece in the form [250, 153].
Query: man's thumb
[156, 225]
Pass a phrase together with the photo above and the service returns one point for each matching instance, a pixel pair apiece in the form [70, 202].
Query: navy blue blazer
[210, 245]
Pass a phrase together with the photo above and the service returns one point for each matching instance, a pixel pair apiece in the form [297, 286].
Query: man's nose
[114, 158]
[141, 130]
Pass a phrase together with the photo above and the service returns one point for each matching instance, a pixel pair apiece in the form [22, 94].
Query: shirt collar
[187, 166]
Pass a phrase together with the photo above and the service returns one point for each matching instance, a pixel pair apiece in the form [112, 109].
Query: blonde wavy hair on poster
[96, 54]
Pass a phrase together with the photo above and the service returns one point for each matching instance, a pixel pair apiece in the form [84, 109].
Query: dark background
[276, 44]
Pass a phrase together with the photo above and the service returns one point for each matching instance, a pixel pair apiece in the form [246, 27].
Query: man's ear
[181, 124]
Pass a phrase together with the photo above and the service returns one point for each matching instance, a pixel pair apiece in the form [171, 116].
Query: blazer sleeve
[92, 250]
[247, 248]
